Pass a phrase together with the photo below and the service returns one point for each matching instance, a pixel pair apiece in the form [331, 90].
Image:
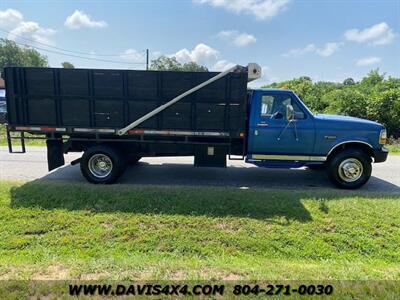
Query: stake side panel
[85, 98]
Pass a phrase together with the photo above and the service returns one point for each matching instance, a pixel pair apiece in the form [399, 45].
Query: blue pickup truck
[116, 117]
[283, 132]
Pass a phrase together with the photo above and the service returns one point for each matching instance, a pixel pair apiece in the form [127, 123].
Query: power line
[58, 48]
[79, 56]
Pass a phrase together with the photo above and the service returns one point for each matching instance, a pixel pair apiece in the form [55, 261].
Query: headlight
[382, 137]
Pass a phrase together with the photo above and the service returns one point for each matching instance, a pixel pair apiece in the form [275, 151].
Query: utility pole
[147, 59]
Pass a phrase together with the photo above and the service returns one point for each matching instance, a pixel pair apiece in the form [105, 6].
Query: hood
[347, 119]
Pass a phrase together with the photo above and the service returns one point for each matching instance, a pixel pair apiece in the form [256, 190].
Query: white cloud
[367, 61]
[261, 9]
[222, 65]
[31, 30]
[133, 55]
[379, 34]
[24, 31]
[327, 50]
[236, 38]
[79, 20]
[10, 18]
[300, 51]
[201, 54]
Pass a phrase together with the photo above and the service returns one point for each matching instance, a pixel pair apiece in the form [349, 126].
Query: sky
[326, 40]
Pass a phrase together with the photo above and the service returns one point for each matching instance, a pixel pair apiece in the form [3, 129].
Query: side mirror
[289, 112]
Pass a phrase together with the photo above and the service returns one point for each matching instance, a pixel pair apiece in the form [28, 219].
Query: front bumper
[381, 154]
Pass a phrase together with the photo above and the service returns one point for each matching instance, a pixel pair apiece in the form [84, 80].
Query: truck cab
[284, 133]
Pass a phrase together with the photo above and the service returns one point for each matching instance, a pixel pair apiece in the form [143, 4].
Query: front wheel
[349, 169]
[102, 164]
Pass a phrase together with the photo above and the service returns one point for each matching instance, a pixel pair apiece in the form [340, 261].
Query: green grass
[3, 138]
[394, 149]
[82, 231]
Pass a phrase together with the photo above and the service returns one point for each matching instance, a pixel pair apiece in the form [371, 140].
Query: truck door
[271, 133]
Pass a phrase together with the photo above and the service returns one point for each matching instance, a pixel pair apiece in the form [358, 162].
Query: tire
[349, 169]
[132, 159]
[102, 164]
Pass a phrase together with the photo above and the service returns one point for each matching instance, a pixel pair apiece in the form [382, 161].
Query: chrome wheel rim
[350, 170]
[100, 165]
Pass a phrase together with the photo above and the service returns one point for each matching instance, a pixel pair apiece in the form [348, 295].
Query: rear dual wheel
[102, 164]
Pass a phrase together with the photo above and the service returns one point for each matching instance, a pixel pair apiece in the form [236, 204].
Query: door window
[267, 102]
[274, 106]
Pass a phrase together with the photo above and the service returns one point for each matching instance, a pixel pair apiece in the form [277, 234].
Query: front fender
[340, 142]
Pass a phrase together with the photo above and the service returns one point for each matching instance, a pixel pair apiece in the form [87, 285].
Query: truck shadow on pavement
[233, 176]
[238, 176]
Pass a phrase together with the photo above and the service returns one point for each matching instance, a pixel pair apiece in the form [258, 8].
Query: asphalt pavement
[180, 171]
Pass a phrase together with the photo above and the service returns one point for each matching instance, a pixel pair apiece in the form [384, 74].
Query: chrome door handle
[262, 124]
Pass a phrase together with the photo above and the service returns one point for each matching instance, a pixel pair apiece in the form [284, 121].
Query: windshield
[303, 105]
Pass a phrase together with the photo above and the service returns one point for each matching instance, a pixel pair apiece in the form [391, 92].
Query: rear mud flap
[55, 154]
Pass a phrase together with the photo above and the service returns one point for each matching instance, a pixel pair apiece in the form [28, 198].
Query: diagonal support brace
[256, 71]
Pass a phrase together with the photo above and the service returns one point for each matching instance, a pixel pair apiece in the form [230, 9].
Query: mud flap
[55, 154]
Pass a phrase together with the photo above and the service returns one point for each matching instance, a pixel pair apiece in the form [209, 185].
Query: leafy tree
[349, 81]
[375, 97]
[385, 108]
[347, 102]
[67, 65]
[193, 67]
[373, 78]
[371, 84]
[301, 86]
[13, 55]
[390, 83]
[164, 63]
[316, 100]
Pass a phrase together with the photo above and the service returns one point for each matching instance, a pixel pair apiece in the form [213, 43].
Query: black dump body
[114, 98]
[84, 102]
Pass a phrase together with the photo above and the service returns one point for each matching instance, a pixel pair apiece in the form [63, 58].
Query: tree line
[12, 55]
